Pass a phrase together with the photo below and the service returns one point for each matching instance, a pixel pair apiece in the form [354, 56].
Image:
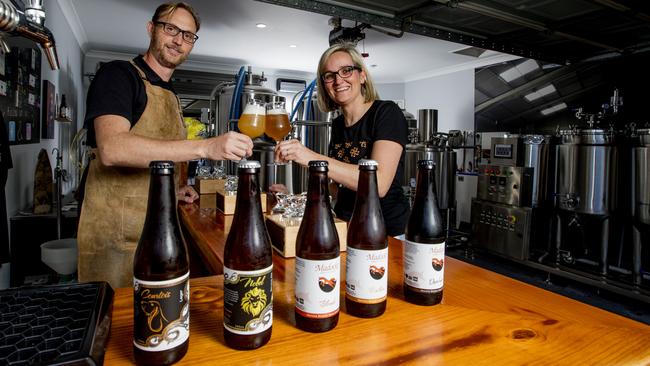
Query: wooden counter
[484, 318]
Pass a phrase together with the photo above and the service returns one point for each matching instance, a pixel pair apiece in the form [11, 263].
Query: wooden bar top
[484, 318]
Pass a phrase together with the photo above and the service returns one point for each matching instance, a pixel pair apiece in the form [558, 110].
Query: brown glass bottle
[424, 247]
[161, 324]
[248, 267]
[366, 275]
[318, 257]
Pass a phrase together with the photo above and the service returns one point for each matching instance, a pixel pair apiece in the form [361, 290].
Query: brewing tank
[642, 178]
[427, 124]
[536, 155]
[586, 171]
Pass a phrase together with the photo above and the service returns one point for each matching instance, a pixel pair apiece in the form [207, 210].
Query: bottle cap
[249, 164]
[162, 166]
[318, 163]
[428, 164]
[368, 162]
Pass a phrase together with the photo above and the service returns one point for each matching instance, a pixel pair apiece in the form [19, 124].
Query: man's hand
[187, 194]
[229, 146]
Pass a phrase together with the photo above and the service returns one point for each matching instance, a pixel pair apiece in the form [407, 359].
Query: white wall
[451, 94]
[390, 91]
[67, 80]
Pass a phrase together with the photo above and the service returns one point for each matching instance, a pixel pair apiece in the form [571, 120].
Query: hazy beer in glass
[252, 120]
[277, 124]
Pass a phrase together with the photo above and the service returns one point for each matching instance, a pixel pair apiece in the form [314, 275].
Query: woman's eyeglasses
[344, 72]
[173, 30]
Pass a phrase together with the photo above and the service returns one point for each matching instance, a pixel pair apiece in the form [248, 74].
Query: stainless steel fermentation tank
[641, 202]
[586, 194]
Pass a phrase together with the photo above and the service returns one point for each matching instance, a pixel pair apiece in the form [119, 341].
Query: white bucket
[60, 255]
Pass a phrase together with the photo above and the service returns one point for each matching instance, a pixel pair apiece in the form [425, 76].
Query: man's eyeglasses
[344, 72]
[173, 30]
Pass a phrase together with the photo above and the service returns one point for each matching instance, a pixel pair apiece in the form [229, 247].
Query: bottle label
[366, 275]
[161, 314]
[424, 265]
[317, 287]
[248, 300]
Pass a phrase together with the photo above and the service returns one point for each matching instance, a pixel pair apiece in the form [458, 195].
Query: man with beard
[133, 117]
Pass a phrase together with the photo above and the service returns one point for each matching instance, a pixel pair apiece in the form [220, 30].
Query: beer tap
[28, 24]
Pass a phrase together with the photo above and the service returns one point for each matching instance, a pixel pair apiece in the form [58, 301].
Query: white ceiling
[229, 39]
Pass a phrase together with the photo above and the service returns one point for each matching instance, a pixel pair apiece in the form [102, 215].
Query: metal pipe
[29, 25]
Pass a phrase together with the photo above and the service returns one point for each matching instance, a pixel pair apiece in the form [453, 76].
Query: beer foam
[276, 111]
[254, 109]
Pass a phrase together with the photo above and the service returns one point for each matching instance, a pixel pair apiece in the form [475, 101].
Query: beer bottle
[161, 299]
[248, 267]
[366, 276]
[318, 257]
[424, 247]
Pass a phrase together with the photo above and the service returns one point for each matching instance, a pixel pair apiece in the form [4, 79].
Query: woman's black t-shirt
[383, 121]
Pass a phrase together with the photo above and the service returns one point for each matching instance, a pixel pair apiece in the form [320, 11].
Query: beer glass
[252, 120]
[277, 126]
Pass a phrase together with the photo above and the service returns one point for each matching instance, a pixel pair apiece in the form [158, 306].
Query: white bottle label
[317, 287]
[424, 265]
[366, 275]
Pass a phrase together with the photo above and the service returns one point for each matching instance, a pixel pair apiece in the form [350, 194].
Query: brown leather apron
[115, 204]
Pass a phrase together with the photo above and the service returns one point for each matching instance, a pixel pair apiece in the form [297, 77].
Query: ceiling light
[292, 46]
[519, 70]
[260, 25]
[540, 93]
[553, 109]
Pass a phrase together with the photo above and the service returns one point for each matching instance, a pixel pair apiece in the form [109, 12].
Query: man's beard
[158, 51]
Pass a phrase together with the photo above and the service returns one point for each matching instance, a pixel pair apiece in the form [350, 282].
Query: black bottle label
[248, 300]
[424, 265]
[161, 314]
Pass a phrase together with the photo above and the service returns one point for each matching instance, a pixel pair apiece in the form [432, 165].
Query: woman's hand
[294, 150]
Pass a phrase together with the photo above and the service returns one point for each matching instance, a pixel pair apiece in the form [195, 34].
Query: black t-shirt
[118, 89]
[383, 121]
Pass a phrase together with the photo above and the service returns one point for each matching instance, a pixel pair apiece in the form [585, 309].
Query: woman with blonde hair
[368, 128]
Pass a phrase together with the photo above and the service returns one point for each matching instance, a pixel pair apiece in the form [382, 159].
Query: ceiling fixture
[540, 93]
[553, 109]
[519, 70]
[260, 25]
[292, 46]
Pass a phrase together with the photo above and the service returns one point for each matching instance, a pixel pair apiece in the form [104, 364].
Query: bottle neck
[318, 191]
[425, 191]
[367, 192]
[248, 196]
[161, 205]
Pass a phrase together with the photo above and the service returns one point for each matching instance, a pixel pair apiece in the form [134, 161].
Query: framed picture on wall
[48, 109]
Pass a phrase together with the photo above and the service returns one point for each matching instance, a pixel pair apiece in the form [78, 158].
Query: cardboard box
[226, 221]
[208, 185]
[208, 200]
[284, 231]
[225, 201]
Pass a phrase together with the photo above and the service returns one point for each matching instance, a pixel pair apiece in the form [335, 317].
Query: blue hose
[308, 108]
[309, 89]
[236, 99]
[295, 108]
